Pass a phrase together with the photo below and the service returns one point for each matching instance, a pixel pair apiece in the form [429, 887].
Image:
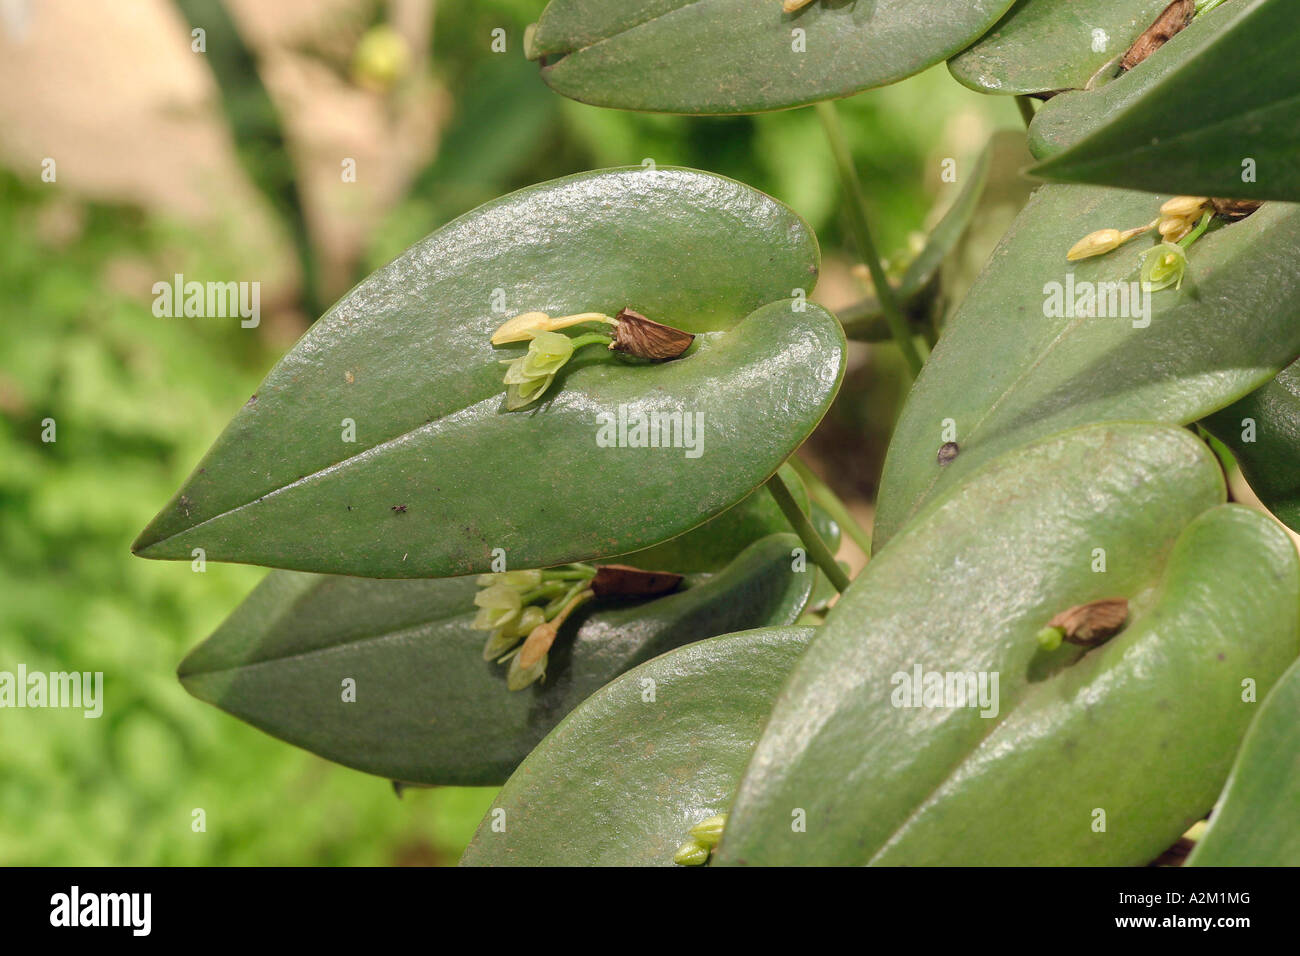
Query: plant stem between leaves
[817, 549]
[898, 327]
[831, 503]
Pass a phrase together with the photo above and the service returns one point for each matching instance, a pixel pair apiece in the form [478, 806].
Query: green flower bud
[519, 580]
[1049, 638]
[519, 677]
[1164, 266]
[1095, 244]
[691, 853]
[381, 59]
[1184, 207]
[1173, 228]
[512, 632]
[709, 832]
[521, 328]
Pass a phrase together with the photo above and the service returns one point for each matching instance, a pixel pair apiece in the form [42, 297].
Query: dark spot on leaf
[947, 452]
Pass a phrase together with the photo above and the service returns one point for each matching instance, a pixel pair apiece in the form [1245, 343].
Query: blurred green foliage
[137, 399]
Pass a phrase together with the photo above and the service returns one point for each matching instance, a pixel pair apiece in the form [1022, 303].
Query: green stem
[1196, 233]
[559, 603]
[546, 589]
[1026, 107]
[591, 338]
[830, 502]
[570, 572]
[898, 327]
[817, 549]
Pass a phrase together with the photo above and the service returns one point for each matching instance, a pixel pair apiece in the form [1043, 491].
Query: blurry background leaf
[1256, 821]
[1006, 372]
[744, 56]
[428, 708]
[439, 475]
[1046, 45]
[1215, 597]
[915, 290]
[1263, 431]
[1194, 118]
[622, 779]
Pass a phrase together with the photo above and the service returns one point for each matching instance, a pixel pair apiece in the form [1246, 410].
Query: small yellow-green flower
[1164, 266]
[527, 378]
[498, 605]
[547, 353]
[512, 632]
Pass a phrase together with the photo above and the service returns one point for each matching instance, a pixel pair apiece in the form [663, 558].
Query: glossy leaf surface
[1046, 45]
[1214, 599]
[440, 475]
[744, 56]
[622, 779]
[1006, 371]
[1213, 112]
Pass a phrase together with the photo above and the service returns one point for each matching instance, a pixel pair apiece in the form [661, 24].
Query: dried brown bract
[636, 335]
[1235, 209]
[1172, 20]
[621, 580]
[1092, 623]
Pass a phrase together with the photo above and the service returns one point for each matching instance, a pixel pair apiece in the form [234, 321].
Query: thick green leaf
[1046, 45]
[1005, 373]
[1215, 599]
[744, 56]
[1214, 112]
[428, 708]
[623, 778]
[1257, 820]
[716, 542]
[1263, 431]
[440, 475]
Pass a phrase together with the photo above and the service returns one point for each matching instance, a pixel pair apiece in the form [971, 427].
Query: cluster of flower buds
[1181, 222]
[524, 610]
[1180, 215]
[528, 377]
[528, 606]
[704, 837]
